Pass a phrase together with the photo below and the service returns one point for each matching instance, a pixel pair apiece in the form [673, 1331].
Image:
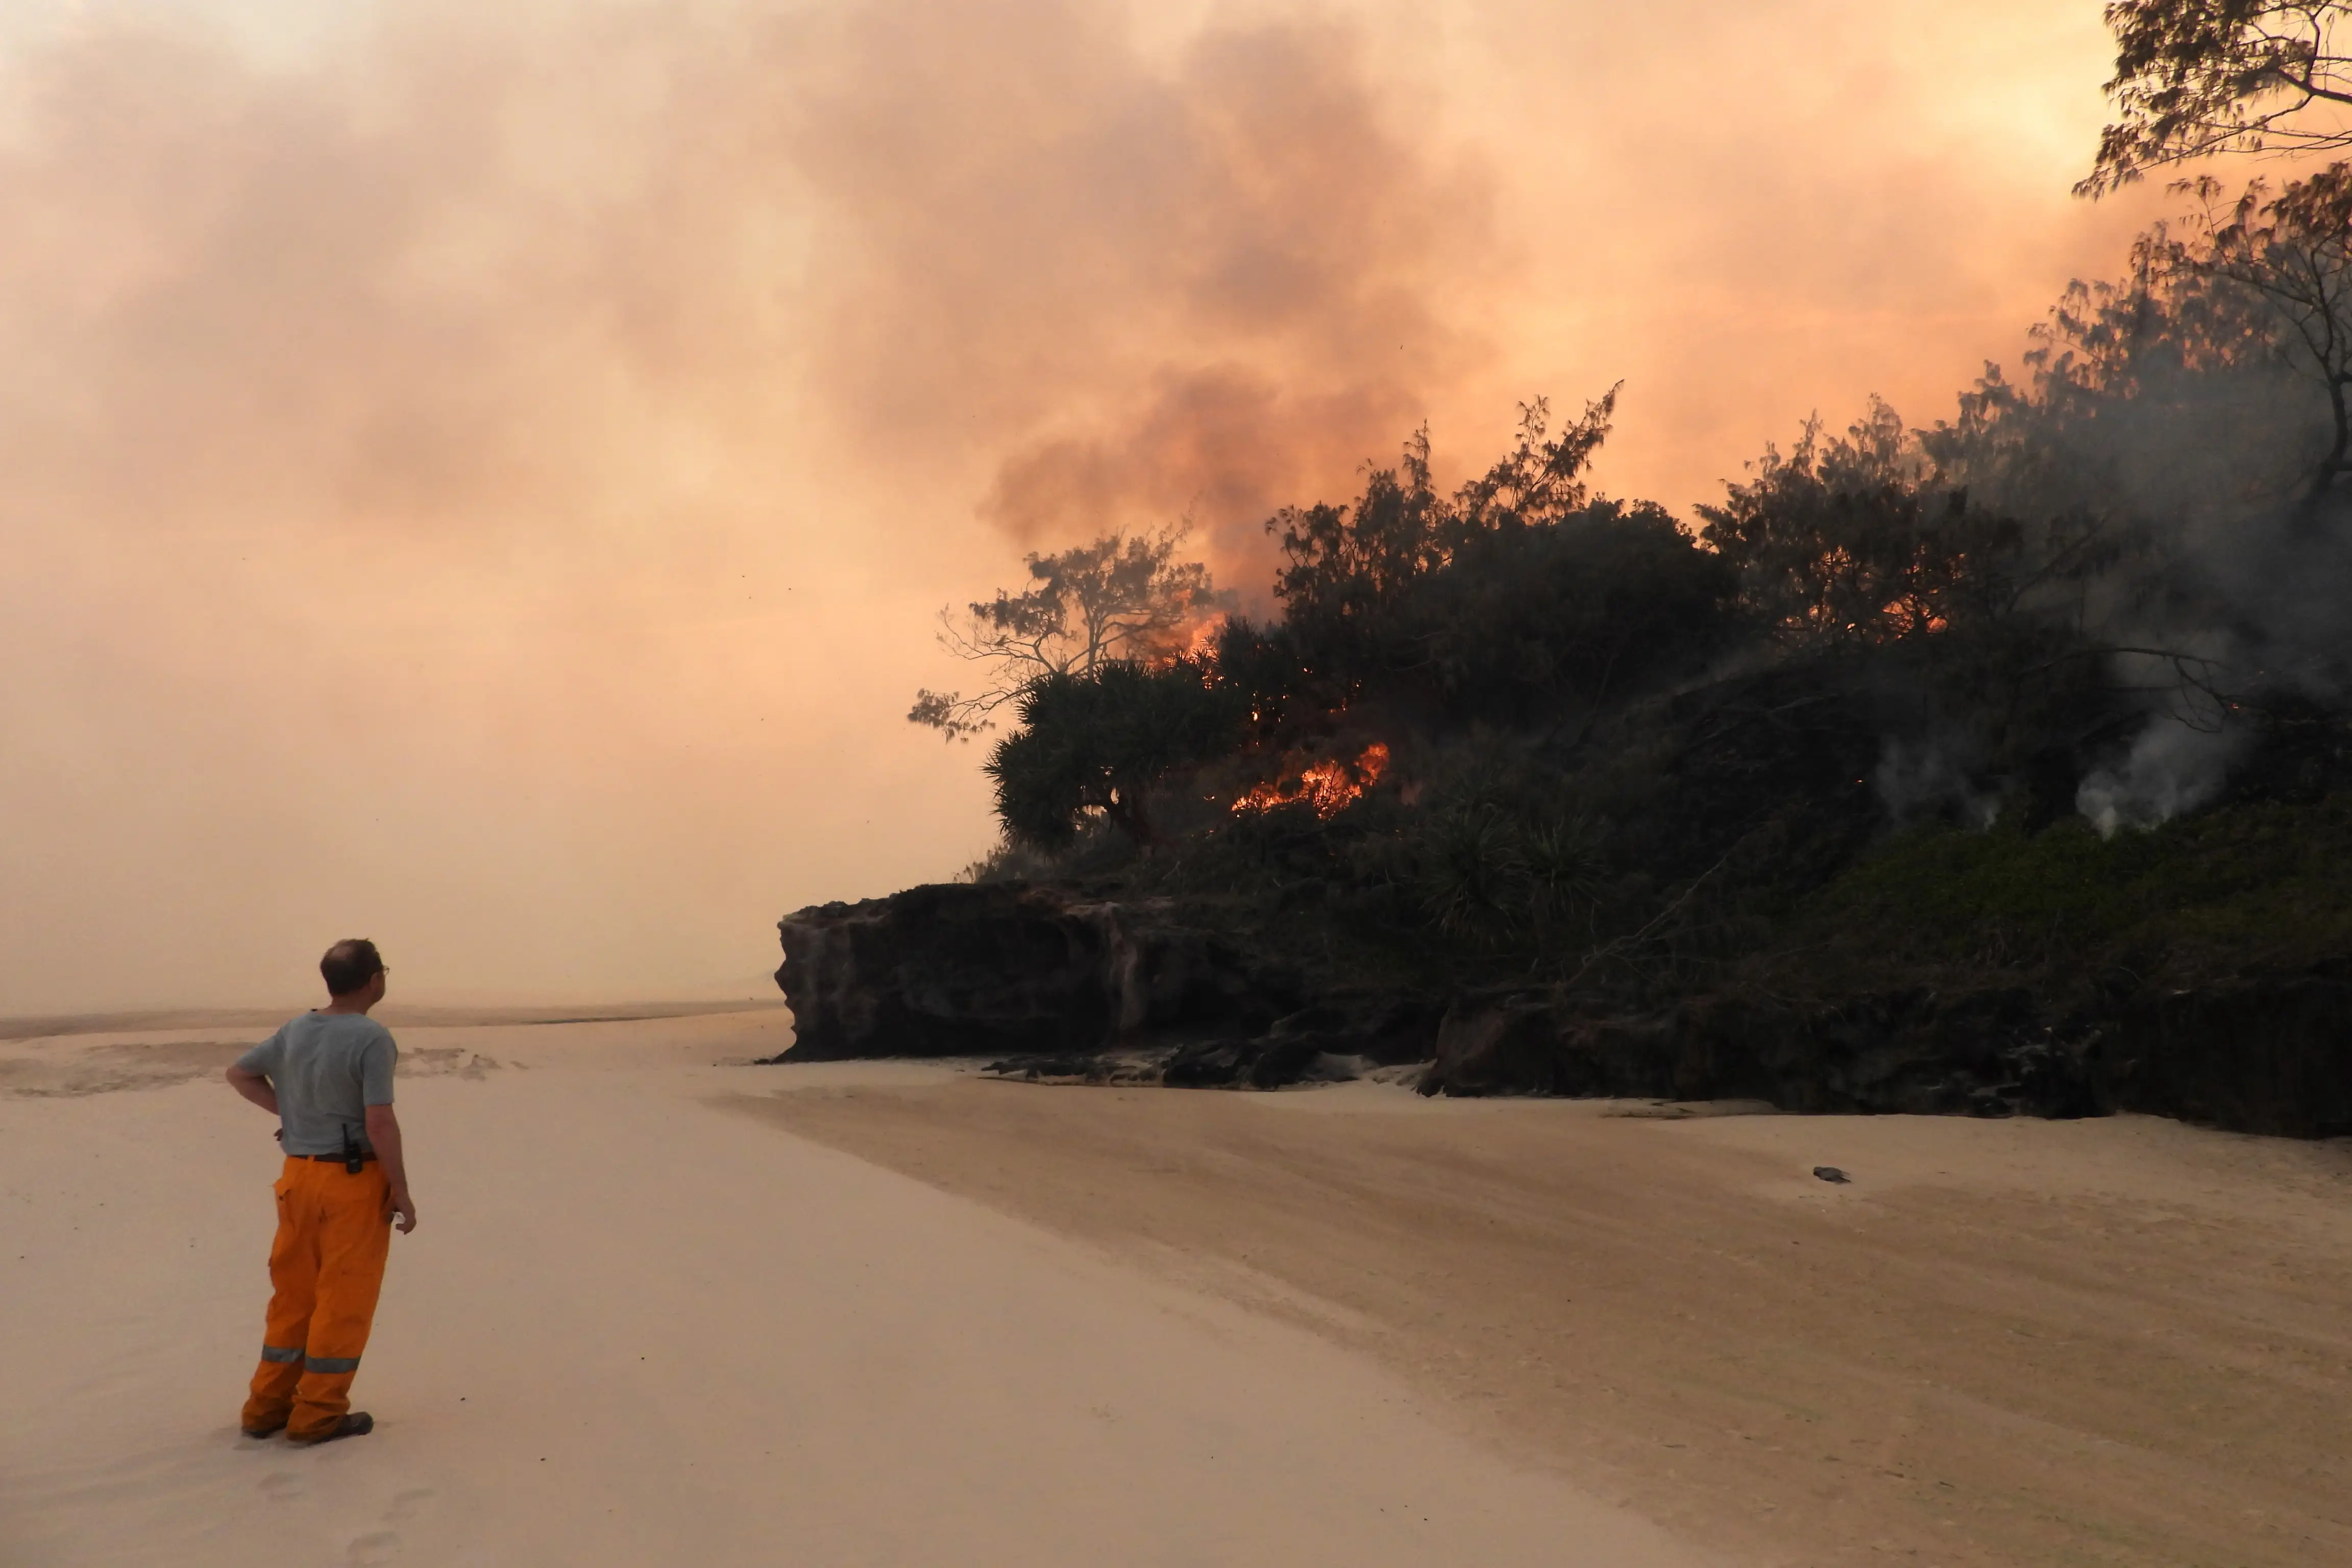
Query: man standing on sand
[327, 1077]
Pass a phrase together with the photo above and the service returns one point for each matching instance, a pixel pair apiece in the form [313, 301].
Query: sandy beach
[665, 1306]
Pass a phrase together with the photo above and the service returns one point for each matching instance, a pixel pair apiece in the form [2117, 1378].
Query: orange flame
[1331, 787]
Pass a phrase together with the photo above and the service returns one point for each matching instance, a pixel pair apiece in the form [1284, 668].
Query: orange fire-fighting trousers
[325, 1269]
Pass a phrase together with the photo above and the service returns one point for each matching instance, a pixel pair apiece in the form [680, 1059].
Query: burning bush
[1329, 788]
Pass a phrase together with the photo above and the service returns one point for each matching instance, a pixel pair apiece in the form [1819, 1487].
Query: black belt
[333, 1159]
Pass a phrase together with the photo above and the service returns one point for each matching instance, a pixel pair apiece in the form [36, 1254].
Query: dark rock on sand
[1385, 1028]
[1095, 1069]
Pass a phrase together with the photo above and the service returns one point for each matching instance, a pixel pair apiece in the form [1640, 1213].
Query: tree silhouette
[1350, 568]
[1125, 596]
[2195, 77]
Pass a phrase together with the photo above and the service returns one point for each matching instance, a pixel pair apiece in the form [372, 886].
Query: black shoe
[263, 1431]
[358, 1424]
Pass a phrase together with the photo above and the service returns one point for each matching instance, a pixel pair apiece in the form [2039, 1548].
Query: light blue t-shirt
[328, 1069]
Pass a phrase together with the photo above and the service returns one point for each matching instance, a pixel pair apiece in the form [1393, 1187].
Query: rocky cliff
[959, 970]
[1060, 987]
[2265, 1055]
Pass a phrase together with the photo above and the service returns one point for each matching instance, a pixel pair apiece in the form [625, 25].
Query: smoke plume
[1198, 283]
[2171, 768]
[481, 476]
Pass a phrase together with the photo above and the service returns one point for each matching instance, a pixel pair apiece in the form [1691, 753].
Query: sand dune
[633, 1328]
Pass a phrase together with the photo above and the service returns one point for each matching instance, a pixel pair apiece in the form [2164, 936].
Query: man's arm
[383, 1137]
[255, 1088]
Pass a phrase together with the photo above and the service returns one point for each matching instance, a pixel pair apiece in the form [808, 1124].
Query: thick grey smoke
[2150, 477]
[2172, 768]
[1199, 282]
[1933, 777]
[2235, 584]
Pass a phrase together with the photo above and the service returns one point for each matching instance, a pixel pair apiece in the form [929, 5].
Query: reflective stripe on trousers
[326, 1269]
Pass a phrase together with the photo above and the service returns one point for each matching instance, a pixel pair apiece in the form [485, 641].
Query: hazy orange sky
[481, 478]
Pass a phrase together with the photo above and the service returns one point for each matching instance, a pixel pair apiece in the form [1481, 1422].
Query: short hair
[350, 964]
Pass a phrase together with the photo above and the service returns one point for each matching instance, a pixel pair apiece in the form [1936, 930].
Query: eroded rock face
[959, 970]
[2263, 1055]
[1983, 1053]
[1067, 990]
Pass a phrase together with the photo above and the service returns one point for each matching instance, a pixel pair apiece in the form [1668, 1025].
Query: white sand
[634, 1328]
